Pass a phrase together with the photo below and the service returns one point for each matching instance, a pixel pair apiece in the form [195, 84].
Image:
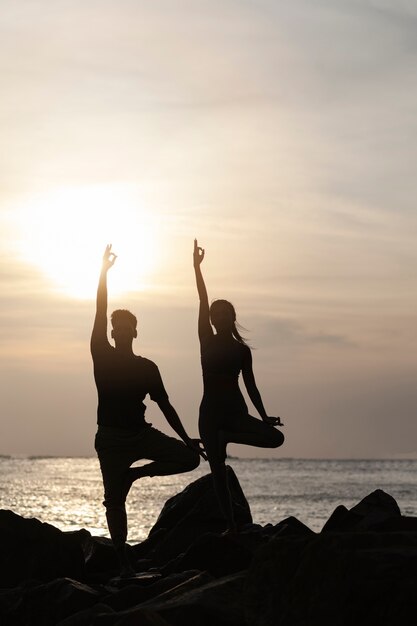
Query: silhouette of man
[123, 379]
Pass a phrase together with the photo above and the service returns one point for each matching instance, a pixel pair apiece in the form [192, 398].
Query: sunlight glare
[64, 233]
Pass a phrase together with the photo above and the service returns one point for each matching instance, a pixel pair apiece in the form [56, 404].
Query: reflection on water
[67, 492]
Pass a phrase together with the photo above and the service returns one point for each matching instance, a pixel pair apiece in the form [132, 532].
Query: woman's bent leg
[251, 431]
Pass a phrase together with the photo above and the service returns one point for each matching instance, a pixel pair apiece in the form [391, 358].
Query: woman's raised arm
[204, 327]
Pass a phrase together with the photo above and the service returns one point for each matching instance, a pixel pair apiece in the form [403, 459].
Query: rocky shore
[361, 569]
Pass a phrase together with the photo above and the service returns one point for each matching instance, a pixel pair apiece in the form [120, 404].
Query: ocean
[67, 492]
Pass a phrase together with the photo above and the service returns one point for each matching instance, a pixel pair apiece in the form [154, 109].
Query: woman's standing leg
[215, 448]
[221, 487]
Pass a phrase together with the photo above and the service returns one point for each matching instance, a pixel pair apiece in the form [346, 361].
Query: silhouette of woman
[224, 416]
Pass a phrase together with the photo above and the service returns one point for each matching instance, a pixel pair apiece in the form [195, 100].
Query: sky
[283, 136]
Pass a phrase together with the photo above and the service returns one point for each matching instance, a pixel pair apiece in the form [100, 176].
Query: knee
[114, 503]
[191, 460]
[277, 438]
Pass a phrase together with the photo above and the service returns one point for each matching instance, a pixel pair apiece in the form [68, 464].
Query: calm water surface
[67, 492]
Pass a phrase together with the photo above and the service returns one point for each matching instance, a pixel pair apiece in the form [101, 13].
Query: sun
[64, 232]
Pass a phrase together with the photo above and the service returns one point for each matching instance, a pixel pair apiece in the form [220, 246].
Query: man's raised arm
[100, 321]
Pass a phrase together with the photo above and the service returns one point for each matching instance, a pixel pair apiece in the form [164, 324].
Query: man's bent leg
[168, 456]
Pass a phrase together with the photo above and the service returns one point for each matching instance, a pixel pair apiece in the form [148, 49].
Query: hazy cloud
[283, 136]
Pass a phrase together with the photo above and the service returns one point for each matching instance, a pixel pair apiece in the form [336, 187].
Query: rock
[377, 502]
[86, 617]
[192, 513]
[10, 605]
[146, 546]
[136, 594]
[335, 579]
[101, 560]
[49, 603]
[375, 509]
[361, 570]
[198, 498]
[292, 526]
[397, 524]
[340, 519]
[217, 602]
[273, 568]
[219, 555]
[31, 549]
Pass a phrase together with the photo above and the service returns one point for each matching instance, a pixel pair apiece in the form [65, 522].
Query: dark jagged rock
[48, 603]
[199, 500]
[361, 570]
[397, 524]
[100, 559]
[217, 602]
[374, 510]
[329, 578]
[121, 605]
[223, 554]
[291, 526]
[146, 546]
[32, 549]
[190, 514]
[88, 616]
[134, 594]
[217, 554]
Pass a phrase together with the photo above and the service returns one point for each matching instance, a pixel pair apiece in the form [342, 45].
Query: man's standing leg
[114, 464]
[168, 456]
[115, 493]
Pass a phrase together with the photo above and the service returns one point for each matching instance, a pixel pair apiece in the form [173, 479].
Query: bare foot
[132, 474]
[126, 567]
[231, 531]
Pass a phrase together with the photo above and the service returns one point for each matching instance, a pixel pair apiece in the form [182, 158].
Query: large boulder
[134, 593]
[334, 579]
[217, 554]
[46, 604]
[101, 560]
[31, 549]
[357, 571]
[289, 526]
[223, 554]
[216, 602]
[376, 510]
[190, 514]
[122, 604]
